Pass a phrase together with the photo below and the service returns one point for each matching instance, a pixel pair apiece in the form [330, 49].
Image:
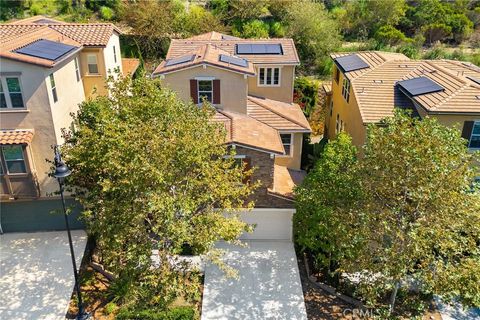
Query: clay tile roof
[278, 115]
[130, 65]
[89, 34]
[284, 180]
[205, 54]
[180, 47]
[19, 136]
[244, 130]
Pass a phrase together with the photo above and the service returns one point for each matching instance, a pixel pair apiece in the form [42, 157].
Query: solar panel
[234, 60]
[476, 80]
[351, 62]
[45, 21]
[172, 62]
[46, 49]
[259, 48]
[418, 86]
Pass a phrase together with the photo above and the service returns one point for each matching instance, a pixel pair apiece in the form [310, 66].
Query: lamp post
[61, 172]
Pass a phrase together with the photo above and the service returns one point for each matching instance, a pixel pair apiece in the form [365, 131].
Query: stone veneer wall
[263, 164]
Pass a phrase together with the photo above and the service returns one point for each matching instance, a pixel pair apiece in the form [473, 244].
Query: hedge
[179, 313]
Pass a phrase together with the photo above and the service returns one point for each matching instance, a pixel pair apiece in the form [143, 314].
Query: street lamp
[61, 172]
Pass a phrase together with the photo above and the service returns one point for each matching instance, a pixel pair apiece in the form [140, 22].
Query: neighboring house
[367, 86]
[47, 68]
[250, 83]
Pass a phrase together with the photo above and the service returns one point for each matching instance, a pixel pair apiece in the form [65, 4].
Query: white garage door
[271, 224]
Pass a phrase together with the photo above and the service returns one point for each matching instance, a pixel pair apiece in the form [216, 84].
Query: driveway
[268, 286]
[36, 275]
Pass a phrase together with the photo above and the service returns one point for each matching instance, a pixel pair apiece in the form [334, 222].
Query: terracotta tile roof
[244, 130]
[205, 54]
[279, 115]
[180, 47]
[213, 35]
[130, 65]
[284, 180]
[377, 94]
[89, 34]
[18, 136]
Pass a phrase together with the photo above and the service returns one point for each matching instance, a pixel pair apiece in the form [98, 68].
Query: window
[11, 93]
[287, 142]
[205, 90]
[331, 107]
[346, 89]
[474, 142]
[54, 88]
[77, 69]
[337, 125]
[268, 76]
[337, 74]
[92, 64]
[114, 54]
[14, 159]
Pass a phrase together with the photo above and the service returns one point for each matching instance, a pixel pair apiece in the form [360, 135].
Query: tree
[417, 218]
[252, 29]
[150, 171]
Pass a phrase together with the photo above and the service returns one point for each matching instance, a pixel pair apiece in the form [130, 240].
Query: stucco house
[250, 84]
[47, 67]
[367, 86]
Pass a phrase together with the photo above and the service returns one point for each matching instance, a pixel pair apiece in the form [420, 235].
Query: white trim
[96, 63]
[6, 92]
[234, 144]
[204, 64]
[199, 102]
[204, 78]
[272, 76]
[237, 156]
[289, 155]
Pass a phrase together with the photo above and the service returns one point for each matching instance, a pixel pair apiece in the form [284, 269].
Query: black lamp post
[61, 172]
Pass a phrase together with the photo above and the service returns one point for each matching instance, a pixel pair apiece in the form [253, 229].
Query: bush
[252, 29]
[106, 13]
[179, 313]
[306, 94]
[389, 35]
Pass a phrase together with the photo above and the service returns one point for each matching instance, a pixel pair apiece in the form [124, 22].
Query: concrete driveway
[36, 275]
[268, 286]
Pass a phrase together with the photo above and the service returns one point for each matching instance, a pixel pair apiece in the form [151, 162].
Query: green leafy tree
[252, 29]
[198, 20]
[150, 171]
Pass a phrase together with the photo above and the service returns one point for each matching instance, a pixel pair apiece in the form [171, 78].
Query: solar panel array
[259, 48]
[351, 62]
[234, 60]
[418, 86]
[46, 49]
[476, 80]
[180, 60]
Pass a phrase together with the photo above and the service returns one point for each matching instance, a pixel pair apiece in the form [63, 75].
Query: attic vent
[403, 65]
[377, 81]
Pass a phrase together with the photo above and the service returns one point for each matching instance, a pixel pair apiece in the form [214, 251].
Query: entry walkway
[36, 275]
[268, 286]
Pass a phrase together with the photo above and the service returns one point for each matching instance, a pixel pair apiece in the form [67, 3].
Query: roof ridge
[274, 111]
[231, 121]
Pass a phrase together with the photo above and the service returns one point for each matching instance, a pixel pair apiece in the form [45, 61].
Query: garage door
[271, 224]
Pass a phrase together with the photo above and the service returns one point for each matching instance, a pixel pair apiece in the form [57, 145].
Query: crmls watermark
[360, 313]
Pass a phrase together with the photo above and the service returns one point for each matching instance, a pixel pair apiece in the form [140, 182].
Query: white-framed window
[13, 158]
[474, 142]
[269, 77]
[54, 87]
[11, 93]
[287, 140]
[346, 89]
[77, 69]
[114, 54]
[205, 90]
[92, 63]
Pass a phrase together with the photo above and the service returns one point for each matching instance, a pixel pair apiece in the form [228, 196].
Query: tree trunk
[393, 296]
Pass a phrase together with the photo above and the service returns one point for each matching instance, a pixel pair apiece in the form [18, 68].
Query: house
[250, 84]
[367, 86]
[47, 67]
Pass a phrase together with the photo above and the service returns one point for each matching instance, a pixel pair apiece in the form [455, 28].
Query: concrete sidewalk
[36, 275]
[268, 287]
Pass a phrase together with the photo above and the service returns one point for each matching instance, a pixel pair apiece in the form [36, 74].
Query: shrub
[409, 50]
[389, 35]
[178, 313]
[106, 13]
[306, 94]
[252, 29]
[110, 308]
[277, 30]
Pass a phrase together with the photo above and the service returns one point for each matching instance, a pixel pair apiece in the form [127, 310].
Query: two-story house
[367, 86]
[47, 68]
[250, 83]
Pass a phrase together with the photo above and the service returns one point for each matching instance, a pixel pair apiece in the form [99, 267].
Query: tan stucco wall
[284, 92]
[233, 86]
[349, 113]
[293, 161]
[37, 116]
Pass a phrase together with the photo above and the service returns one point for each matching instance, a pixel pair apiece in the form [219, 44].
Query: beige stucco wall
[293, 161]
[349, 113]
[233, 86]
[284, 92]
[109, 57]
[93, 81]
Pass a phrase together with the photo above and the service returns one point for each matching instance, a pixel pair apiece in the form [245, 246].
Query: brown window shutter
[467, 130]
[194, 90]
[248, 165]
[216, 91]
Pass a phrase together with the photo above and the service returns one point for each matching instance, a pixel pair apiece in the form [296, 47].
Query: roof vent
[377, 81]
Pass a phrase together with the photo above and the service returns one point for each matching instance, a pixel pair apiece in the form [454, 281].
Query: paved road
[36, 275]
[268, 286]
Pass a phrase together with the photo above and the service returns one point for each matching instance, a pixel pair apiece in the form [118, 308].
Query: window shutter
[467, 130]
[216, 91]
[194, 90]
[248, 165]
